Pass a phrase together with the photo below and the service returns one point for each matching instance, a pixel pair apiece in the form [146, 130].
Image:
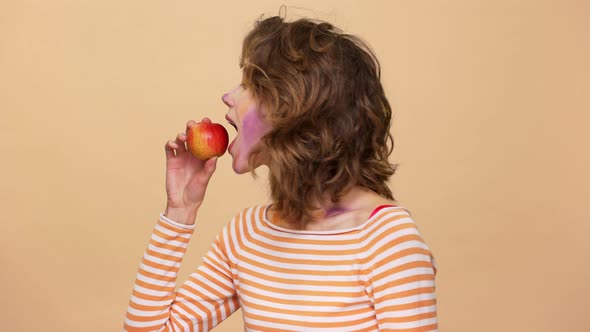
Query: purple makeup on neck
[330, 212]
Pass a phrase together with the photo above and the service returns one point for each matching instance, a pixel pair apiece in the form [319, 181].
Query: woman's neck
[353, 208]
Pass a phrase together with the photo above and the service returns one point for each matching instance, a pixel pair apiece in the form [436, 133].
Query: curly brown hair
[329, 114]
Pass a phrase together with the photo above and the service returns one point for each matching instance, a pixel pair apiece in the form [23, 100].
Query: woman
[332, 251]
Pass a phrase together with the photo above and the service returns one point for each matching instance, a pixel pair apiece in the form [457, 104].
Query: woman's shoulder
[393, 226]
[242, 219]
[392, 218]
[250, 213]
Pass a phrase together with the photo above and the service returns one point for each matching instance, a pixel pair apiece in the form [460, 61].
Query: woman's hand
[186, 178]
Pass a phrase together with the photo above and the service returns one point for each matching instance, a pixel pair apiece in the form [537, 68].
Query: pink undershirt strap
[379, 208]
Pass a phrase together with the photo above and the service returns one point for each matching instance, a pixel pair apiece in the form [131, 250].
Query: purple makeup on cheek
[253, 128]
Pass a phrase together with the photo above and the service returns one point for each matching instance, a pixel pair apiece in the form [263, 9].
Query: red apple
[207, 140]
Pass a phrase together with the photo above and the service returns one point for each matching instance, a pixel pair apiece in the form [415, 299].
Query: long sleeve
[401, 281]
[206, 298]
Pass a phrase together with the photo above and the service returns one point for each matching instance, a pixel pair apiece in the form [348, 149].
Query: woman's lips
[231, 122]
[230, 145]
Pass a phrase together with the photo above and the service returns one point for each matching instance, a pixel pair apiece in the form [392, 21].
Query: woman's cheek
[253, 129]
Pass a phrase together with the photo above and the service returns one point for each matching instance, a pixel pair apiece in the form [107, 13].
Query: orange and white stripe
[379, 276]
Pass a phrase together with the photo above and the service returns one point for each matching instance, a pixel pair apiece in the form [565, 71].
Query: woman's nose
[226, 100]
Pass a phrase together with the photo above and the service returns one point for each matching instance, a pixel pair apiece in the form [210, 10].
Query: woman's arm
[208, 296]
[401, 279]
[202, 302]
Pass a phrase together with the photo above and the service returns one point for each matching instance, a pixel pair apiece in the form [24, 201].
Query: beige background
[491, 109]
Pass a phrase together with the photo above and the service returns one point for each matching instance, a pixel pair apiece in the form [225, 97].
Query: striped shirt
[378, 276]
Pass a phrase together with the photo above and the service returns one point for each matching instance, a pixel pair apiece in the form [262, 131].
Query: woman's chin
[242, 168]
[239, 168]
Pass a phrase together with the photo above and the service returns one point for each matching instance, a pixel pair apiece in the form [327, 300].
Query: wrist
[181, 215]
